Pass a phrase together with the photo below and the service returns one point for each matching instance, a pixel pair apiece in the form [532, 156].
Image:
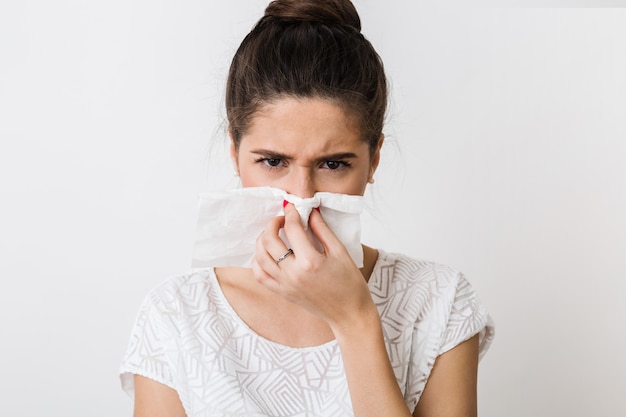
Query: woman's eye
[272, 162]
[332, 165]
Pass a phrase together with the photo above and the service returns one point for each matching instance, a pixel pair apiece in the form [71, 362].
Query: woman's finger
[323, 233]
[298, 238]
[270, 247]
[263, 278]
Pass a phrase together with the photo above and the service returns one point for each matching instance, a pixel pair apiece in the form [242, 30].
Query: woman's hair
[308, 49]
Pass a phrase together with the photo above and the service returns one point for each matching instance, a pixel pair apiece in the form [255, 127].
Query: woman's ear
[376, 157]
[234, 153]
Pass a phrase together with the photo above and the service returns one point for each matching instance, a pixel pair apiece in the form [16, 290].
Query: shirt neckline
[330, 345]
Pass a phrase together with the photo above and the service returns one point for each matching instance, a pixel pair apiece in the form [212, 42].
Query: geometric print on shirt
[188, 337]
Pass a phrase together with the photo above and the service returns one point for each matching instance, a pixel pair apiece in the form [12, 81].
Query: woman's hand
[326, 284]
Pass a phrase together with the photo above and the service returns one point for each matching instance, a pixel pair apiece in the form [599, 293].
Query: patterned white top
[187, 336]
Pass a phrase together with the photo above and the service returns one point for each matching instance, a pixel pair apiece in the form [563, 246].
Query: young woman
[304, 332]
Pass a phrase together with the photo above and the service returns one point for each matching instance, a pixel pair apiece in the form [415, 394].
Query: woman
[304, 332]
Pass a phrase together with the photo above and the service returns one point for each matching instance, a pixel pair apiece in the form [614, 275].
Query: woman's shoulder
[401, 267]
[181, 292]
[433, 295]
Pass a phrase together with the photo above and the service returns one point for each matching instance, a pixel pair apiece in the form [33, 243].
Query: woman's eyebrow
[270, 154]
[330, 157]
[338, 156]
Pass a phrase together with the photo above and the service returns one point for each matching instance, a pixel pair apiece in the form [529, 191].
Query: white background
[504, 159]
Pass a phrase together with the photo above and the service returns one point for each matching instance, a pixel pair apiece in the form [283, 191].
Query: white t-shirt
[188, 337]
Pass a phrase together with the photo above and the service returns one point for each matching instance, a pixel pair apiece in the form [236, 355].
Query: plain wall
[504, 158]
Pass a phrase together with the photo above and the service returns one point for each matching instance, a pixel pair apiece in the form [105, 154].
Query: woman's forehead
[289, 119]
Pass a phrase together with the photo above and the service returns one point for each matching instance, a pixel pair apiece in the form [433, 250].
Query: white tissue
[230, 221]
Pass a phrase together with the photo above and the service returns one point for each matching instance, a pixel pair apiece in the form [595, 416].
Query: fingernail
[285, 202]
[318, 210]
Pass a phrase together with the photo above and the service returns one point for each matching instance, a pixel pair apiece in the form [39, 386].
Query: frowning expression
[304, 146]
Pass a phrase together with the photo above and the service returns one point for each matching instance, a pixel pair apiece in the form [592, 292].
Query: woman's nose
[300, 183]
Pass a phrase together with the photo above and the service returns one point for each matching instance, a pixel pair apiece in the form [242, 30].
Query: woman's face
[304, 146]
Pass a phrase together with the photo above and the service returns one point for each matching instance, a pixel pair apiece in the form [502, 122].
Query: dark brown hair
[308, 49]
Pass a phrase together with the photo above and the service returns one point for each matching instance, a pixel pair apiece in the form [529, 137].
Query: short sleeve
[146, 355]
[468, 317]
[448, 313]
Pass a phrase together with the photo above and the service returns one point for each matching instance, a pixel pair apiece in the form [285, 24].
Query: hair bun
[330, 12]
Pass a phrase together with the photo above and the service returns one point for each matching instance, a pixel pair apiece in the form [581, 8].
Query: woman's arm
[451, 387]
[153, 399]
[374, 390]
